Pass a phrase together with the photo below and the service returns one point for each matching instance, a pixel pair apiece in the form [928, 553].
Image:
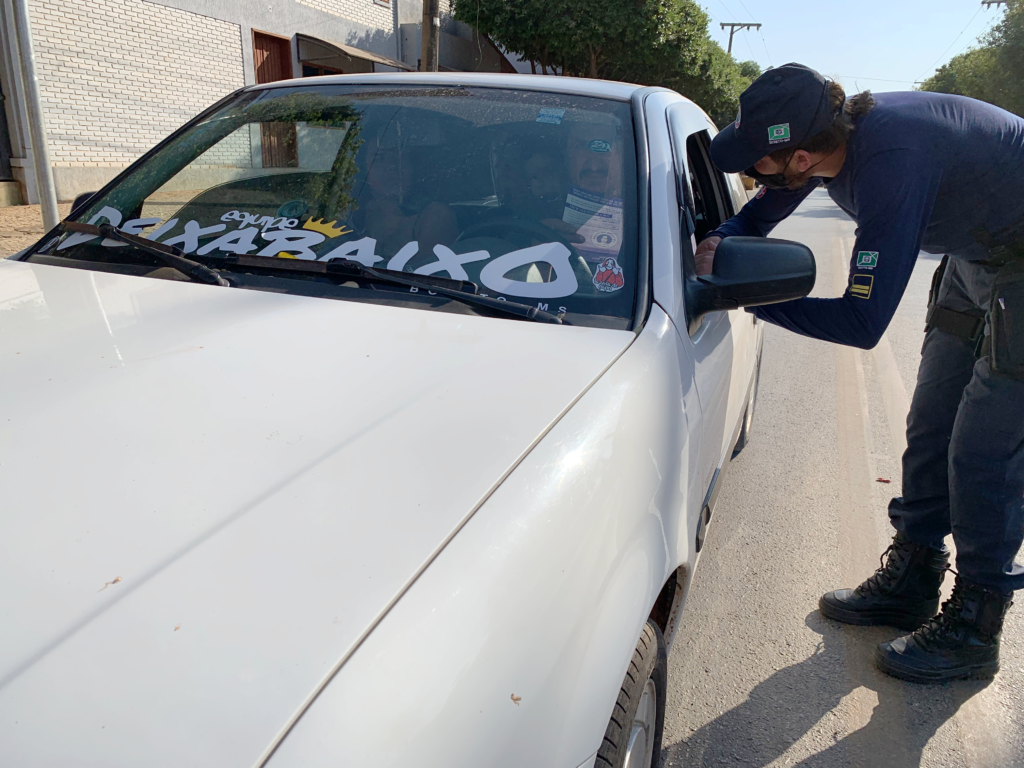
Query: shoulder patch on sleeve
[867, 259]
[861, 286]
[761, 193]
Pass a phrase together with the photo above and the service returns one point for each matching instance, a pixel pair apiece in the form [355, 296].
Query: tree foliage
[993, 72]
[650, 42]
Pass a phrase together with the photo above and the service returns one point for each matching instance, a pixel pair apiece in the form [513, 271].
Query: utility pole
[36, 122]
[990, 3]
[431, 33]
[734, 26]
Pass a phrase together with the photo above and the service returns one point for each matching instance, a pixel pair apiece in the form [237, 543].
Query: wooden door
[272, 58]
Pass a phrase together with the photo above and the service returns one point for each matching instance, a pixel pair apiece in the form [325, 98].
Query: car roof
[573, 85]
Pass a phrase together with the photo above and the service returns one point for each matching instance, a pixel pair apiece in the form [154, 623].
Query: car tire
[633, 736]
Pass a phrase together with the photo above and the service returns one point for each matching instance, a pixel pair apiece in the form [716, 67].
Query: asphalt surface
[756, 676]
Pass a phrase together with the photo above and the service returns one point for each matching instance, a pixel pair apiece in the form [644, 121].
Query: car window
[529, 194]
[709, 202]
[736, 194]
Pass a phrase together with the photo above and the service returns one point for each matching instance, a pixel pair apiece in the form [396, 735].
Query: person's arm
[756, 219]
[894, 195]
[764, 211]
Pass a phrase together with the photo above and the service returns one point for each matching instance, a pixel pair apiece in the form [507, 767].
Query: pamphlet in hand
[598, 220]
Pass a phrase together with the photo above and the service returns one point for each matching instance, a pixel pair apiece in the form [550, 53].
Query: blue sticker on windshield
[599, 145]
[550, 115]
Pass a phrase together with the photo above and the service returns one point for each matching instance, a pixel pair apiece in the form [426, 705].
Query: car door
[709, 340]
[747, 330]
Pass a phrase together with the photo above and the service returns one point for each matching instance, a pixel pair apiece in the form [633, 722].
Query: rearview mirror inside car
[750, 271]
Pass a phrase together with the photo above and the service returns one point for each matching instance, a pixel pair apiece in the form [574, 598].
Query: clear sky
[865, 44]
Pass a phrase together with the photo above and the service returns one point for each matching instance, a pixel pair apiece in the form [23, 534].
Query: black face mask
[780, 180]
[770, 180]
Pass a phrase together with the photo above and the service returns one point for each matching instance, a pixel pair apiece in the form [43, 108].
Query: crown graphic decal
[318, 225]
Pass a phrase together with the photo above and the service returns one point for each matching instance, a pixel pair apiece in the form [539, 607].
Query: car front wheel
[633, 736]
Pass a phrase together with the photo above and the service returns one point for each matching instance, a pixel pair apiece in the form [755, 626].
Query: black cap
[782, 108]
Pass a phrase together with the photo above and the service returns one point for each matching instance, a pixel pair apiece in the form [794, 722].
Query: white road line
[894, 394]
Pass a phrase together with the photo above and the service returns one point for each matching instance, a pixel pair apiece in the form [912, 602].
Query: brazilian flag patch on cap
[778, 133]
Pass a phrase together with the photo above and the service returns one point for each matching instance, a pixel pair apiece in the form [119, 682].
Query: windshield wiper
[167, 255]
[458, 290]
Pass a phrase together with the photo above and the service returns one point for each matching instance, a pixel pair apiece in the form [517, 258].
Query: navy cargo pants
[963, 470]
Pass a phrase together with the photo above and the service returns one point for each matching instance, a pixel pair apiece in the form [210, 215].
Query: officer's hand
[705, 255]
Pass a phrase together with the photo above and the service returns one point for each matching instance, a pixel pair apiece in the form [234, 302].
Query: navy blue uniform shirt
[923, 171]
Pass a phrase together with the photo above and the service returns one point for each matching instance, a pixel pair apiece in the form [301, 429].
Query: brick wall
[117, 76]
[367, 12]
[233, 151]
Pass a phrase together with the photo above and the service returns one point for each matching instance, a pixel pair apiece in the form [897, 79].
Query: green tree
[750, 70]
[717, 85]
[650, 42]
[993, 72]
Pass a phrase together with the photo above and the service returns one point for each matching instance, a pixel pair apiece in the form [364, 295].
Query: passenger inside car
[395, 208]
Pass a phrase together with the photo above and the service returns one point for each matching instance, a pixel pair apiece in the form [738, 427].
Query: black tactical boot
[903, 593]
[961, 642]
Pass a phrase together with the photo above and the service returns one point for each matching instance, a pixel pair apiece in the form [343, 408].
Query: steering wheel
[499, 228]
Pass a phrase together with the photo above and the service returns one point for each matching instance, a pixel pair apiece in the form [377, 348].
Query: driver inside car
[594, 164]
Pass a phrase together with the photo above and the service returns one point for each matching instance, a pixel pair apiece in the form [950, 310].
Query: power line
[749, 49]
[749, 14]
[877, 79]
[969, 44]
[770, 62]
[765, 44]
[951, 44]
[727, 9]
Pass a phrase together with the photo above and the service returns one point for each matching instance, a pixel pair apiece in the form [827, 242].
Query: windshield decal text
[278, 237]
[262, 222]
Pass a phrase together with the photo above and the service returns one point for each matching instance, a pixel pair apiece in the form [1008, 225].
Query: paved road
[756, 676]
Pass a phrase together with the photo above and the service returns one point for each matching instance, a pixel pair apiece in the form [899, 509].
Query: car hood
[211, 495]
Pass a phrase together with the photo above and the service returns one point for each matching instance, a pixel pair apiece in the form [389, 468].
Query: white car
[373, 421]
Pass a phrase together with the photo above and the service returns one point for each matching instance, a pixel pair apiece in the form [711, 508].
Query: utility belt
[1004, 344]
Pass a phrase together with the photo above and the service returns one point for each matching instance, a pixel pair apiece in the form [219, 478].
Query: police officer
[943, 174]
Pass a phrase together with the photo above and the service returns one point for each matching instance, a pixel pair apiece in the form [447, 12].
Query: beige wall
[369, 12]
[116, 76]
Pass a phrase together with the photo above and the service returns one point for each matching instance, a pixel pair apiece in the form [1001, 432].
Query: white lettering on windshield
[405, 253]
[296, 242]
[188, 241]
[262, 222]
[451, 262]
[236, 241]
[356, 250]
[112, 215]
[493, 273]
[286, 242]
[555, 254]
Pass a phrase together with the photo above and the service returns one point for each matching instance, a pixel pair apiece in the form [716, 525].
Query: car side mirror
[80, 202]
[751, 271]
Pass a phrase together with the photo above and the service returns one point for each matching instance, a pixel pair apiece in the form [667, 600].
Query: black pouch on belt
[965, 325]
[1006, 322]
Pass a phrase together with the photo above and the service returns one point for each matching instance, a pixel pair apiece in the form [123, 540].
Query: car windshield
[531, 195]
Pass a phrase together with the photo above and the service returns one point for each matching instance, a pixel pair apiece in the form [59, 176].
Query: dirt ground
[22, 225]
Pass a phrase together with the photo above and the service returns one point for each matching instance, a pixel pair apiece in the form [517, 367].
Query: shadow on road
[792, 702]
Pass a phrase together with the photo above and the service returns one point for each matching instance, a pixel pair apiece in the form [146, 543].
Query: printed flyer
[598, 219]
